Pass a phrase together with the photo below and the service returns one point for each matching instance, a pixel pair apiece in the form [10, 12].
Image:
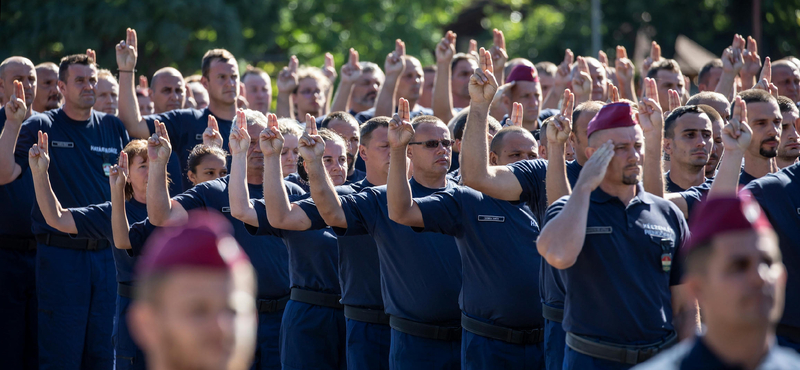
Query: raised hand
[602, 57]
[239, 139]
[561, 124]
[211, 135]
[752, 61]
[39, 155]
[311, 145]
[118, 176]
[651, 117]
[446, 49]
[732, 59]
[351, 70]
[564, 73]
[482, 84]
[473, 48]
[400, 130]
[395, 63]
[329, 70]
[765, 80]
[582, 81]
[270, 140]
[623, 66]
[16, 108]
[613, 92]
[594, 171]
[92, 55]
[127, 52]
[516, 115]
[736, 134]
[655, 56]
[674, 101]
[498, 50]
[158, 146]
[143, 83]
[287, 79]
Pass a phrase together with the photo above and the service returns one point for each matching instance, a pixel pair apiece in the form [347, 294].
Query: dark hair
[786, 104]
[755, 96]
[212, 55]
[665, 65]
[459, 57]
[367, 67]
[669, 123]
[707, 96]
[586, 106]
[199, 152]
[546, 69]
[341, 116]
[711, 113]
[459, 123]
[373, 124]
[425, 119]
[63, 68]
[497, 141]
[702, 77]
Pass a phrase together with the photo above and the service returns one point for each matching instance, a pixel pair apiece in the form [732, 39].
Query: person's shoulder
[530, 164]
[781, 178]
[292, 188]
[421, 111]
[345, 190]
[105, 119]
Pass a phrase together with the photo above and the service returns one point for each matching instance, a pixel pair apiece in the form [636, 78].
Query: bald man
[168, 90]
[786, 76]
[47, 95]
[107, 93]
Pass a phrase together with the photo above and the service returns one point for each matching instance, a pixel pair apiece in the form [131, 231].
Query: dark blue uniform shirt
[267, 254]
[357, 176]
[80, 154]
[745, 178]
[17, 198]
[295, 178]
[779, 196]
[420, 273]
[696, 195]
[573, 171]
[497, 243]
[617, 291]
[94, 222]
[670, 185]
[185, 129]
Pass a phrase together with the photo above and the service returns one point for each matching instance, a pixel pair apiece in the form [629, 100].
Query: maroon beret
[721, 215]
[206, 241]
[523, 72]
[612, 115]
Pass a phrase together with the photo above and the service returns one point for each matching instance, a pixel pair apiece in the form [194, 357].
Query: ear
[542, 151]
[573, 138]
[204, 82]
[457, 145]
[668, 146]
[492, 158]
[589, 151]
[191, 175]
[362, 151]
[408, 153]
[150, 92]
[62, 87]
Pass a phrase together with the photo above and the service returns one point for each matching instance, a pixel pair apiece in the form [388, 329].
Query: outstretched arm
[127, 53]
[15, 115]
[651, 119]
[238, 193]
[287, 82]
[562, 81]
[161, 210]
[402, 208]
[56, 216]
[442, 88]
[351, 71]
[558, 131]
[394, 67]
[119, 219]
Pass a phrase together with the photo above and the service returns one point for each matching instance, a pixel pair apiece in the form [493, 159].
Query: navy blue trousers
[312, 337]
[554, 342]
[368, 345]
[18, 315]
[127, 355]
[478, 353]
[77, 292]
[408, 352]
[268, 355]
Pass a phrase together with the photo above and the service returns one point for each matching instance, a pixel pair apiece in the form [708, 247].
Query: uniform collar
[599, 196]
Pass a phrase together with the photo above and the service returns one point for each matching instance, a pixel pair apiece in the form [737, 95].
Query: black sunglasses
[431, 144]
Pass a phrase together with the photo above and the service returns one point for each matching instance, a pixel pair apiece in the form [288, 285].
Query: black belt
[513, 336]
[125, 290]
[790, 332]
[630, 355]
[429, 331]
[271, 305]
[317, 298]
[366, 315]
[552, 313]
[70, 243]
[19, 244]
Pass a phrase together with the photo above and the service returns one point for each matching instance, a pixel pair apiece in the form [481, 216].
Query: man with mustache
[688, 141]
[168, 90]
[764, 117]
[47, 95]
[789, 149]
[347, 127]
[723, 109]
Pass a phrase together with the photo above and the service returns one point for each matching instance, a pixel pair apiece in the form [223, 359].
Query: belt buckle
[92, 244]
[267, 305]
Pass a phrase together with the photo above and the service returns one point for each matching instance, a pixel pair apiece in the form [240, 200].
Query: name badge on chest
[226, 209]
[596, 230]
[62, 144]
[489, 218]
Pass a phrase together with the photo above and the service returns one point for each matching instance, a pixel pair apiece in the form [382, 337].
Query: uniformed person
[609, 208]
[688, 140]
[268, 254]
[734, 269]
[764, 117]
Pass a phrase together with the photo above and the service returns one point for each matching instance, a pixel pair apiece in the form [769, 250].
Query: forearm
[627, 90]
[398, 192]
[384, 103]
[284, 105]
[238, 193]
[119, 220]
[474, 155]
[556, 182]
[726, 182]
[341, 100]
[159, 205]
[280, 213]
[561, 240]
[328, 100]
[653, 179]
[442, 93]
[748, 80]
[9, 170]
[325, 197]
[129, 107]
[55, 216]
[725, 86]
[553, 97]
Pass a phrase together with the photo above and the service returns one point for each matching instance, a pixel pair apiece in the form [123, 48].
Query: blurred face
[192, 325]
[460, 78]
[137, 174]
[211, 167]
[547, 82]
[716, 151]
[744, 282]
[366, 90]
[376, 152]
[426, 99]
[668, 80]
[169, 92]
[529, 94]
[599, 80]
[765, 120]
[787, 80]
[335, 160]
[309, 97]
[515, 147]
[47, 95]
[691, 143]
[222, 82]
[431, 161]
[580, 142]
[259, 91]
[255, 159]
[289, 154]
[107, 91]
[145, 105]
[351, 135]
[789, 148]
[79, 90]
[200, 95]
[712, 79]
[25, 74]
[410, 84]
[626, 165]
[569, 152]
